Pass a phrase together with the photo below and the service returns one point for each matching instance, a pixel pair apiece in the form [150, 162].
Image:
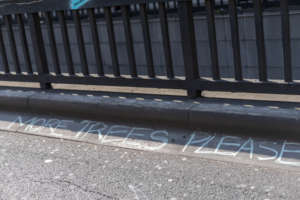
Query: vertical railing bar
[166, 39]
[174, 4]
[112, 41]
[135, 8]
[286, 40]
[66, 42]
[52, 42]
[81, 44]
[235, 38]
[12, 43]
[24, 43]
[167, 5]
[39, 49]
[189, 44]
[147, 40]
[260, 40]
[3, 52]
[96, 41]
[210, 6]
[156, 6]
[129, 41]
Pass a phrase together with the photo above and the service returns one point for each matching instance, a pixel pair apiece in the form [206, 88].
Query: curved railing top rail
[32, 6]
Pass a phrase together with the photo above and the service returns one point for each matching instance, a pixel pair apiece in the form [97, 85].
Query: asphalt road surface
[36, 167]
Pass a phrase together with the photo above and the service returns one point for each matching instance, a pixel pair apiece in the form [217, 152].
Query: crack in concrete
[70, 183]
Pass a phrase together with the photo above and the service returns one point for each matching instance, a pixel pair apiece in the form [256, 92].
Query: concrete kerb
[262, 121]
[111, 108]
[259, 121]
[16, 100]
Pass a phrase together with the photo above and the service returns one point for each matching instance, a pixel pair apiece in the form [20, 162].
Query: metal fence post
[188, 44]
[39, 50]
[286, 40]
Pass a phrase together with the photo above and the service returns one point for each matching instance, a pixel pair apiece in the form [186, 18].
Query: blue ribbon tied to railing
[76, 4]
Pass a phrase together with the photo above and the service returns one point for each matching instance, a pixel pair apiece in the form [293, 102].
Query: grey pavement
[51, 166]
[44, 156]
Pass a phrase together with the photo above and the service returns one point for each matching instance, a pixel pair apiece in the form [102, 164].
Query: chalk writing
[196, 143]
[139, 195]
[285, 150]
[106, 134]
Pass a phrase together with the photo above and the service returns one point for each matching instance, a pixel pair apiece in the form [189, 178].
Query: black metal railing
[24, 24]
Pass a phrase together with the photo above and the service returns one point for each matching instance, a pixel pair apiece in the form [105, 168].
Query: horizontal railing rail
[50, 41]
[22, 6]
